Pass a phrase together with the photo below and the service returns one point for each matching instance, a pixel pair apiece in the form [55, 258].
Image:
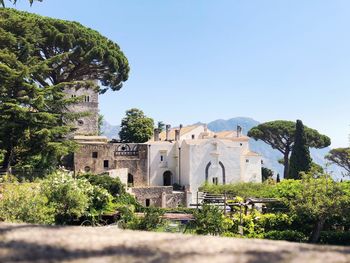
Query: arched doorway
[130, 180]
[167, 178]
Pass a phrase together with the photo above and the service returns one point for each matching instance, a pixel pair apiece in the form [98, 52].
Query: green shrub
[276, 221]
[25, 203]
[151, 220]
[335, 238]
[113, 185]
[210, 221]
[73, 198]
[288, 235]
[251, 224]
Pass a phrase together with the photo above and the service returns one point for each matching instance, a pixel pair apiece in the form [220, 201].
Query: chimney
[177, 135]
[239, 131]
[167, 130]
[156, 135]
[205, 128]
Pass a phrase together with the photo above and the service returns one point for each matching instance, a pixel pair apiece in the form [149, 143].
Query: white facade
[198, 155]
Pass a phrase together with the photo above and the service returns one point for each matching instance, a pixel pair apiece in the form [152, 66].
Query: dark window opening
[215, 180]
[247, 160]
[148, 202]
[241, 144]
[87, 169]
[95, 155]
[106, 164]
[161, 158]
[193, 136]
[130, 180]
[167, 178]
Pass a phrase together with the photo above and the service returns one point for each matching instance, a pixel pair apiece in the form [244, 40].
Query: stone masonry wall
[99, 158]
[154, 194]
[86, 125]
[159, 196]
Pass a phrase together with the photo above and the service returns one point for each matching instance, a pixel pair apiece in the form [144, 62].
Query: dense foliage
[40, 58]
[62, 52]
[280, 135]
[341, 157]
[211, 221]
[136, 127]
[306, 208]
[59, 199]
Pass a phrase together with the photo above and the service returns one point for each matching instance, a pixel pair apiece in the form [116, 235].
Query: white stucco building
[190, 156]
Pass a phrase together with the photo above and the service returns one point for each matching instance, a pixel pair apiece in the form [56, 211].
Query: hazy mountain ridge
[270, 155]
[109, 130]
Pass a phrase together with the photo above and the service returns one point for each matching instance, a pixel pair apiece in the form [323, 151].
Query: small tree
[316, 196]
[266, 173]
[341, 157]
[136, 127]
[300, 160]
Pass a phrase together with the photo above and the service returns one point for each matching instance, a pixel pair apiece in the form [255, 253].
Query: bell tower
[86, 125]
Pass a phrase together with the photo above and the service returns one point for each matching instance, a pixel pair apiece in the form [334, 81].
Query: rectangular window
[105, 163]
[215, 180]
[94, 155]
[247, 160]
[148, 202]
[161, 158]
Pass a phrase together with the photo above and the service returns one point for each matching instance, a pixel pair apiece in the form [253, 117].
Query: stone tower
[87, 125]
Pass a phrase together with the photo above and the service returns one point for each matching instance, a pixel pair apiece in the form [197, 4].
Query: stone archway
[223, 172]
[167, 178]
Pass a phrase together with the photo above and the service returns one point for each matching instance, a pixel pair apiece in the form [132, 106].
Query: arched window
[167, 178]
[215, 181]
[130, 180]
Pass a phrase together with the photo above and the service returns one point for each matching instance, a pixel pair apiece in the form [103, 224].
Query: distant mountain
[270, 155]
[110, 131]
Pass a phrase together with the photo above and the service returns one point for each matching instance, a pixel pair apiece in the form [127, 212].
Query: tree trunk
[286, 165]
[315, 235]
[6, 164]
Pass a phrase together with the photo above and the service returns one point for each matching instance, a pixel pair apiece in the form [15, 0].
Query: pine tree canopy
[280, 135]
[341, 157]
[62, 51]
[39, 58]
[2, 2]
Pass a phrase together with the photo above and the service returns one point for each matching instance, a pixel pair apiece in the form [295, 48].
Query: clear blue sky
[201, 60]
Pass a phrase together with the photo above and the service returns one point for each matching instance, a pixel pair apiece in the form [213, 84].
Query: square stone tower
[87, 125]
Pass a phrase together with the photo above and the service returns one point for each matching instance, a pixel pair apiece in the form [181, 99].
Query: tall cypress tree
[300, 160]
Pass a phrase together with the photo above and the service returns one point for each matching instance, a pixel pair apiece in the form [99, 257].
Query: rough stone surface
[153, 193]
[26, 243]
[86, 125]
[131, 156]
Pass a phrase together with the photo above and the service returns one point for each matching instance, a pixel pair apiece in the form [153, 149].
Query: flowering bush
[25, 203]
[73, 198]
